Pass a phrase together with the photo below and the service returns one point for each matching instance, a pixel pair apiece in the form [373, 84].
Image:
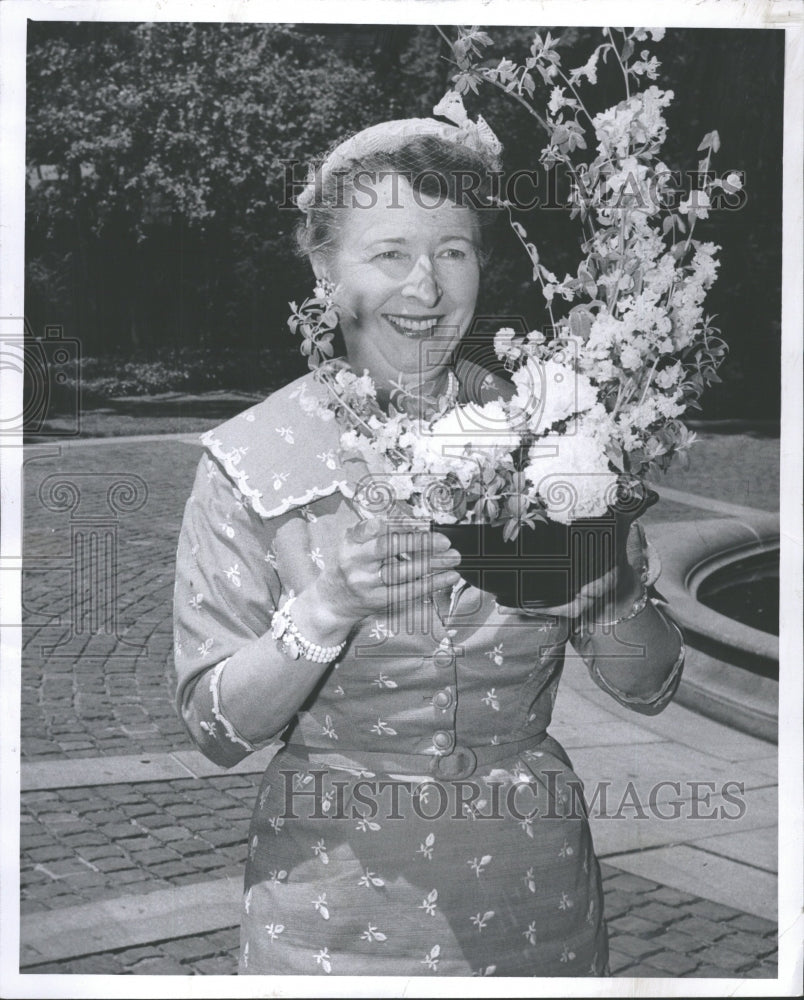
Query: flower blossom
[548, 392]
[697, 205]
[570, 473]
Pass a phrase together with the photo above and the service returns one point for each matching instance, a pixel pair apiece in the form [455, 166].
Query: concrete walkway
[133, 844]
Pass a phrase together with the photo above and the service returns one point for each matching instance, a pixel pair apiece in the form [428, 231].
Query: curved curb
[731, 669]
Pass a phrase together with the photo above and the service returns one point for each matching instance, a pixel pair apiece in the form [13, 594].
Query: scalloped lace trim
[214, 686]
[229, 462]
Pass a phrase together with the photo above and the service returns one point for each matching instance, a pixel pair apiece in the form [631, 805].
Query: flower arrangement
[597, 402]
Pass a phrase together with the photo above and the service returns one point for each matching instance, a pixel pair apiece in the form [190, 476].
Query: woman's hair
[437, 170]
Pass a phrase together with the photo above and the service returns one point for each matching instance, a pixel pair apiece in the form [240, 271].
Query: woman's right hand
[377, 566]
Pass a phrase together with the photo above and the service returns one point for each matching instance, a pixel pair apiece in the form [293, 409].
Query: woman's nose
[421, 282]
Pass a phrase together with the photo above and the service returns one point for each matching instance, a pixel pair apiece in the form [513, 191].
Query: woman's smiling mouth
[412, 326]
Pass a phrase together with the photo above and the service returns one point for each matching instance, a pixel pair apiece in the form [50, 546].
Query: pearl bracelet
[284, 630]
[636, 608]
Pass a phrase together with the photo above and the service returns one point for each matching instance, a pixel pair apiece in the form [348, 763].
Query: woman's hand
[376, 567]
[614, 593]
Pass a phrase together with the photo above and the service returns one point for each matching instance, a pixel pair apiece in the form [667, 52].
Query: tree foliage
[158, 222]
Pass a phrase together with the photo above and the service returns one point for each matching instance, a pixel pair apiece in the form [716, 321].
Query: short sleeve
[225, 594]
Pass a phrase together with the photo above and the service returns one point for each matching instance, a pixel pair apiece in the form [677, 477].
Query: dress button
[443, 658]
[442, 740]
[442, 699]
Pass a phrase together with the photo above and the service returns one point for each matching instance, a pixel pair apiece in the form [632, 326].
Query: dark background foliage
[157, 163]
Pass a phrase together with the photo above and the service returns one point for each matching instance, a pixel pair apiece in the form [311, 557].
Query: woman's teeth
[413, 327]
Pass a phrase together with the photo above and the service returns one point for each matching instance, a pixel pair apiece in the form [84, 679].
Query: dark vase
[544, 566]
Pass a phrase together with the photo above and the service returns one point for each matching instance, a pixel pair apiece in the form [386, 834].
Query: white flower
[557, 100]
[669, 377]
[734, 181]
[571, 475]
[503, 342]
[548, 392]
[697, 205]
[589, 70]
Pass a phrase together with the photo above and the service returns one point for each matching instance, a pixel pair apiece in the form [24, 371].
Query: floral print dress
[418, 819]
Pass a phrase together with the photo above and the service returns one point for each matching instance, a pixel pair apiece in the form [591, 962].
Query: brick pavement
[101, 694]
[83, 844]
[654, 932]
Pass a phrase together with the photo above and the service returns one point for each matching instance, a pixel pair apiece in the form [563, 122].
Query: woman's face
[408, 277]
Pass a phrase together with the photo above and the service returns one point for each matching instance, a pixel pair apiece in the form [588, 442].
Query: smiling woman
[402, 233]
[403, 277]
[418, 819]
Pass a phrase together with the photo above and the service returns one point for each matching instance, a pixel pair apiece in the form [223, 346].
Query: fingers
[587, 598]
[423, 586]
[420, 564]
[364, 531]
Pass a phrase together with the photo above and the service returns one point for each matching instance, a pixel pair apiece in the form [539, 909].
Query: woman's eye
[389, 255]
[453, 253]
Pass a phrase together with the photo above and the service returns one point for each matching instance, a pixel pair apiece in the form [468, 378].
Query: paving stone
[632, 923]
[713, 911]
[685, 944]
[46, 853]
[132, 875]
[220, 965]
[131, 955]
[154, 821]
[31, 840]
[642, 971]
[189, 878]
[156, 856]
[119, 831]
[672, 963]
[85, 878]
[219, 838]
[658, 913]
[161, 966]
[92, 852]
[630, 883]
[170, 868]
[112, 864]
[630, 945]
[56, 818]
[751, 944]
[618, 961]
[225, 939]
[169, 833]
[85, 838]
[196, 823]
[617, 903]
[192, 846]
[725, 958]
[701, 929]
[134, 809]
[206, 862]
[68, 866]
[764, 970]
[752, 924]
[189, 948]
[32, 906]
[185, 809]
[97, 817]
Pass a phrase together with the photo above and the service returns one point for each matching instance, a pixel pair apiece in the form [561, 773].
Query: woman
[419, 819]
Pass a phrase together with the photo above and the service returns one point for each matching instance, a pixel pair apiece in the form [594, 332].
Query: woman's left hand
[615, 592]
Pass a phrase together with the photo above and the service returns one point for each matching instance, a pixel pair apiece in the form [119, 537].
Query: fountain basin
[732, 668]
